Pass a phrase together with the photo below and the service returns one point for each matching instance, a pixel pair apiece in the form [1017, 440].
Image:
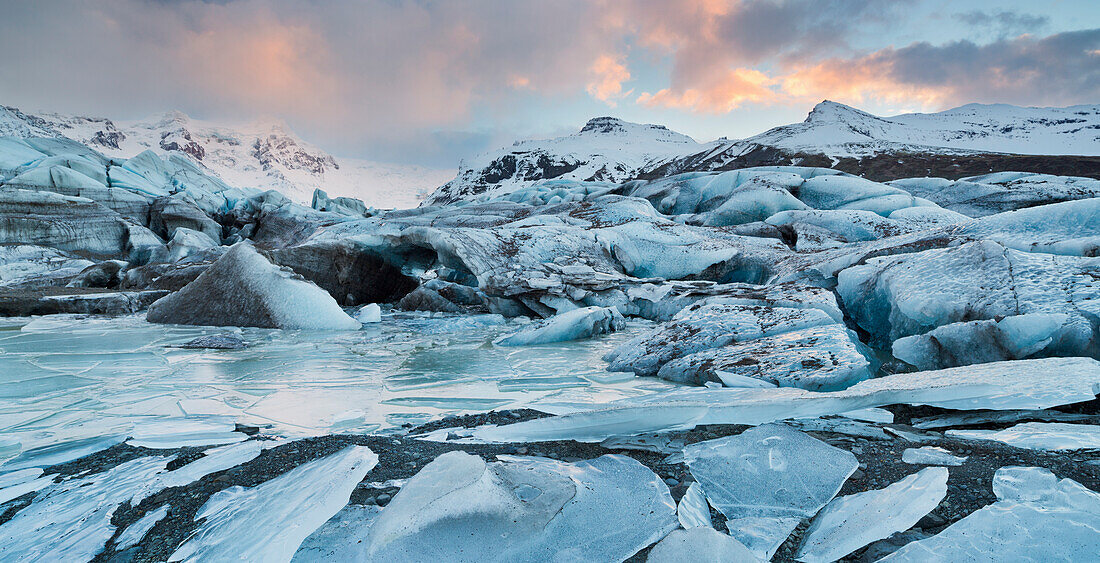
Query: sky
[432, 82]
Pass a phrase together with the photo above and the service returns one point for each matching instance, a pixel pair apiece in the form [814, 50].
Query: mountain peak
[830, 111]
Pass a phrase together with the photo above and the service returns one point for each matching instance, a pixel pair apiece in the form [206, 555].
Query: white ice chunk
[269, 521]
[71, 521]
[244, 289]
[136, 531]
[18, 477]
[851, 522]
[699, 545]
[931, 455]
[169, 433]
[730, 379]
[341, 538]
[693, 509]
[1039, 436]
[63, 452]
[369, 313]
[1036, 518]
[19, 489]
[577, 324]
[873, 414]
[763, 473]
[212, 461]
[458, 508]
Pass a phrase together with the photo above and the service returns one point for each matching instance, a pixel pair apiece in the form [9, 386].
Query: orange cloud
[608, 73]
[859, 81]
[729, 91]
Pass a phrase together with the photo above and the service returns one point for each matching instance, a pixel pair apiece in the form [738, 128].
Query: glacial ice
[852, 192]
[1020, 384]
[851, 522]
[931, 455]
[708, 324]
[760, 475]
[340, 538]
[71, 520]
[978, 196]
[570, 325]
[821, 358]
[369, 313]
[1037, 517]
[185, 242]
[268, 522]
[693, 510]
[897, 296]
[61, 452]
[458, 508]
[170, 433]
[699, 545]
[16, 490]
[1039, 436]
[136, 531]
[212, 461]
[243, 289]
[1010, 338]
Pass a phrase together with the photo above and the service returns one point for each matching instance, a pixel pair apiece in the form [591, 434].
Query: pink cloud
[608, 76]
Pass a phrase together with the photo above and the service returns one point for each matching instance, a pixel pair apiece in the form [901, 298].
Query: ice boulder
[978, 196]
[458, 508]
[186, 242]
[577, 324]
[243, 289]
[708, 324]
[896, 296]
[852, 192]
[369, 313]
[820, 358]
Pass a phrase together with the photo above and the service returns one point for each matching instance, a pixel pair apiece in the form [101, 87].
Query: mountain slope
[606, 149]
[259, 155]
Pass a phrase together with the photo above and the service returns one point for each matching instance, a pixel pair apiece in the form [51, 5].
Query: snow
[699, 545]
[458, 507]
[931, 455]
[263, 155]
[270, 521]
[577, 324]
[1053, 436]
[243, 289]
[136, 531]
[693, 510]
[762, 475]
[1037, 517]
[851, 522]
[71, 520]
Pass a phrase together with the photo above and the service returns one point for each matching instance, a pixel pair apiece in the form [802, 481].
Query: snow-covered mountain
[605, 149]
[263, 155]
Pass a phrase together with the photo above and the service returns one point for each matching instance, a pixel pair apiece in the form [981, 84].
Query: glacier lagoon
[69, 377]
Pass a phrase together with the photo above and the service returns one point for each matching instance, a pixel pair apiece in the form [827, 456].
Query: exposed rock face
[243, 289]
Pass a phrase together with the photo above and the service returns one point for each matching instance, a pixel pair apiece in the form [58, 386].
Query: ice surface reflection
[67, 377]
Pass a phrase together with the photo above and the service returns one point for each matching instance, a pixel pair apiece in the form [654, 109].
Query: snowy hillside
[839, 130]
[605, 149]
[263, 155]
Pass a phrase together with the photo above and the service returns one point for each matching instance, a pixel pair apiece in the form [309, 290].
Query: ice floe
[760, 478]
[931, 455]
[268, 522]
[1037, 517]
[458, 507]
[851, 522]
[1039, 436]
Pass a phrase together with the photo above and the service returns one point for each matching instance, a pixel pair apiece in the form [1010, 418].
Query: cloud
[1056, 70]
[609, 74]
[1003, 23]
[726, 93]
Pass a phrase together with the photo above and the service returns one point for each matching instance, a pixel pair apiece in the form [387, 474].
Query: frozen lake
[67, 377]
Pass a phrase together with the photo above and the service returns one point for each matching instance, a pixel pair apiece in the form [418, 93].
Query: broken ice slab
[763, 474]
[62, 453]
[660, 443]
[21, 476]
[1020, 384]
[339, 539]
[693, 510]
[1037, 517]
[699, 545]
[268, 522]
[71, 520]
[839, 426]
[169, 433]
[541, 383]
[577, 324]
[870, 415]
[448, 403]
[458, 507]
[999, 417]
[23, 487]
[136, 531]
[1039, 436]
[851, 522]
[931, 455]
